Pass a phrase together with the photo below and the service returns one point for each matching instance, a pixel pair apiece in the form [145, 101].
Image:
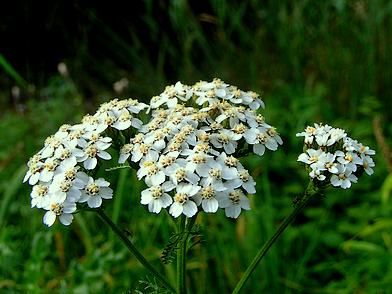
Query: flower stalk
[310, 191]
[181, 255]
[184, 227]
[134, 250]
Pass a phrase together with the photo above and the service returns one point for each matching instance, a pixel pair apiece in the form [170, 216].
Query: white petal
[190, 208]
[66, 219]
[210, 206]
[106, 193]
[259, 149]
[146, 197]
[104, 155]
[233, 211]
[94, 201]
[176, 209]
[154, 206]
[90, 163]
[49, 218]
[166, 200]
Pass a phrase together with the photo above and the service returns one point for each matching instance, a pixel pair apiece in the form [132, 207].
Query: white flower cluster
[186, 154]
[334, 157]
[54, 171]
[191, 151]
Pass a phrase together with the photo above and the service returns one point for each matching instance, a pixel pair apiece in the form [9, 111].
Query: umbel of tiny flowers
[62, 171]
[333, 158]
[187, 153]
[190, 148]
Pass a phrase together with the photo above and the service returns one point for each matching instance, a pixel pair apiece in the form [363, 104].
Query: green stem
[310, 191]
[181, 256]
[184, 227]
[133, 249]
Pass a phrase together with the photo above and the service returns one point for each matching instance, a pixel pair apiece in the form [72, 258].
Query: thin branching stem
[134, 251]
[310, 191]
[184, 228]
[181, 256]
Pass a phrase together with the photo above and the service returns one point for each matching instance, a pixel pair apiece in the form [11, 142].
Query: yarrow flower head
[187, 153]
[193, 142]
[60, 171]
[334, 158]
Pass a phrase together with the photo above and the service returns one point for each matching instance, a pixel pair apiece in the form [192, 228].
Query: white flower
[179, 148]
[168, 162]
[349, 159]
[326, 161]
[207, 96]
[61, 209]
[68, 184]
[234, 115]
[342, 165]
[91, 151]
[233, 200]
[143, 150]
[335, 136]
[197, 162]
[65, 154]
[95, 191]
[207, 196]
[211, 173]
[125, 152]
[308, 134]
[368, 163]
[182, 203]
[240, 130]
[135, 106]
[244, 180]
[202, 148]
[75, 135]
[47, 173]
[34, 172]
[230, 166]
[40, 196]
[311, 156]
[365, 150]
[150, 170]
[271, 131]
[316, 173]
[239, 96]
[254, 121]
[172, 93]
[180, 174]
[156, 198]
[156, 139]
[125, 120]
[107, 118]
[90, 122]
[51, 144]
[344, 177]
[260, 140]
[225, 139]
[63, 132]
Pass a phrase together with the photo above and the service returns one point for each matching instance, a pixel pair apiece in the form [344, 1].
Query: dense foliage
[324, 61]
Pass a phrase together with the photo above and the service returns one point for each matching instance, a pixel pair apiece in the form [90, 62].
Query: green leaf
[353, 245]
[12, 72]
[386, 189]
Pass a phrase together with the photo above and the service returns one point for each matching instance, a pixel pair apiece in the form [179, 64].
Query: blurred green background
[312, 61]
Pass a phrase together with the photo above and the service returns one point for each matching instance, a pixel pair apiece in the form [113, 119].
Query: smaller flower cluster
[54, 172]
[333, 157]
